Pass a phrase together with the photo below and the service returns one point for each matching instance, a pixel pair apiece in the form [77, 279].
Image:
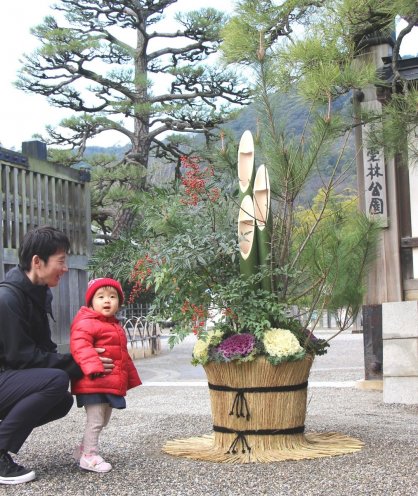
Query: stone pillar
[377, 187]
[400, 352]
[413, 191]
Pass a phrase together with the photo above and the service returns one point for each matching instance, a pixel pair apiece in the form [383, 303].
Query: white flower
[281, 343]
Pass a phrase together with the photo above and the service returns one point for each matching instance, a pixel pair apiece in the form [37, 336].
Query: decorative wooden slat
[87, 241]
[24, 203]
[72, 206]
[15, 226]
[45, 188]
[53, 202]
[66, 208]
[8, 220]
[38, 200]
[31, 200]
[409, 242]
[79, 218]
[60, 196]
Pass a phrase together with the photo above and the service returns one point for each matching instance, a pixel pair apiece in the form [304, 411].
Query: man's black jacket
[25, 335]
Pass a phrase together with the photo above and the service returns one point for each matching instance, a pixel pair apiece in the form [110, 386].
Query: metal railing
[144, 338]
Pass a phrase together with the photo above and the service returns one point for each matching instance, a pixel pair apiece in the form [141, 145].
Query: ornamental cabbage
[237, 345]
[201, 347]
[281, 343]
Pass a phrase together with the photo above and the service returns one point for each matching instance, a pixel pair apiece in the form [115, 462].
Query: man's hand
[107, 362]
[95, 375]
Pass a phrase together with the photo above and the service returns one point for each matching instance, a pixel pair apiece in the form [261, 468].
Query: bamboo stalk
[247, 237]
[263, 220]
[246, 169]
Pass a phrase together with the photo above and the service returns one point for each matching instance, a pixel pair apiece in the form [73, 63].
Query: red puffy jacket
[90, 330]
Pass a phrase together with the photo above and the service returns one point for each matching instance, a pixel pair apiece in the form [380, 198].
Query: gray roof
[408, 69]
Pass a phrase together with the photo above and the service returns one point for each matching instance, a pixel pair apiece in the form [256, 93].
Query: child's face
[106, 301]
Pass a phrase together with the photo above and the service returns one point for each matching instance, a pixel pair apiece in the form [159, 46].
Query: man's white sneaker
[11, 472]
[94, 463]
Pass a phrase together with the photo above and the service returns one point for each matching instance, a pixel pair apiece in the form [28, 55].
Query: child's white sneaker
[94, 463]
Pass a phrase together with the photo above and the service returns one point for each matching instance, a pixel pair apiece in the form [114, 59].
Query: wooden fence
[33, 193]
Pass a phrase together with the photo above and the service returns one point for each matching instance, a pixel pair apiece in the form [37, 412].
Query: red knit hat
[95, 284]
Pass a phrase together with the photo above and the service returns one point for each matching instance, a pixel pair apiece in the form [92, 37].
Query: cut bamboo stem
[263, 220]
[247, 237]
[246, 169]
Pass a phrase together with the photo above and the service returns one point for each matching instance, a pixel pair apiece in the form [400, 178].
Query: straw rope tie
[244, 444]
[240, 405]
[240, 435]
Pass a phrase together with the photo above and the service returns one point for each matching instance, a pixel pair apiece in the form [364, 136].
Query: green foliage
[397, 124]
[366, 18]
[246, 50]
[253, 310]
[115, 260]
[336, 254]
[318, 254]
[310, 261]
[205, 24]
[118, 68]
[67, 158]
[288, 358]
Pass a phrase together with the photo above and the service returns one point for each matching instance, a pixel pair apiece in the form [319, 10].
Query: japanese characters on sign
[374, 180]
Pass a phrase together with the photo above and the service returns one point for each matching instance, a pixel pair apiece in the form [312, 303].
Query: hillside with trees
[292, 114]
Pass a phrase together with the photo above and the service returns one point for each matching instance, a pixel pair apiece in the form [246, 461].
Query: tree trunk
[139, 153]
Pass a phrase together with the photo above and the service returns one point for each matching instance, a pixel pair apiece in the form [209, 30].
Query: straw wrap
[275, 397]
[268, 405]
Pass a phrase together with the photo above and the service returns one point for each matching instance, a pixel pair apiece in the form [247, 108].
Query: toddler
[95, 326]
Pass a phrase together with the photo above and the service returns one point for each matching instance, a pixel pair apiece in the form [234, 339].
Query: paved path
[342, 366]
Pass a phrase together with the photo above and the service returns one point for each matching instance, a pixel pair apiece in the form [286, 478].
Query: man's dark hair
[42, 241]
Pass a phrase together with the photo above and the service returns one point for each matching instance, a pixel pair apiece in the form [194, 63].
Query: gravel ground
[387, 465]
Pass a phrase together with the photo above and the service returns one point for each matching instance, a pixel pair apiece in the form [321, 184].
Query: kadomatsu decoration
[258, 375]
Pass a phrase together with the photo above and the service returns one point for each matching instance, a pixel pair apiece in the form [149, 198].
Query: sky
[22, 114]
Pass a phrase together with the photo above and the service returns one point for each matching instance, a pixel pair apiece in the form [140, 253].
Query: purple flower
[237, 345]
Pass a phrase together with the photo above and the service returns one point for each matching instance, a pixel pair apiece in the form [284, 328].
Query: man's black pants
[29, 398]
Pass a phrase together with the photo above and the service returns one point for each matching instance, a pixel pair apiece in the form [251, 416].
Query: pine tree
[108, 61]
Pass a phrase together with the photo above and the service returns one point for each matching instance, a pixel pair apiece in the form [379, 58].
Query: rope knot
[244, 444]
[240, 405]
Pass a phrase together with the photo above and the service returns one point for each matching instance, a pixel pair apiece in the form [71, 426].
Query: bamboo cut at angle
[263, 220]
[262, 197]
[246, 170]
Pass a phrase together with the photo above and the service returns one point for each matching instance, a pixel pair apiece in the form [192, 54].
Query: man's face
[106, 301]
[51, 272]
